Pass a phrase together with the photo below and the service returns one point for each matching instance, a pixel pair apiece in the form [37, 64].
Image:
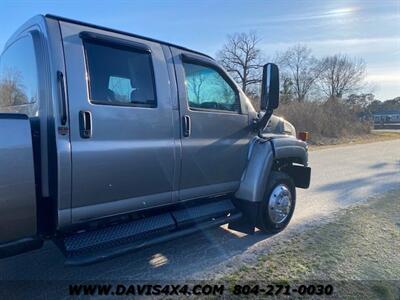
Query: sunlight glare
[342, 11]
[158, 260]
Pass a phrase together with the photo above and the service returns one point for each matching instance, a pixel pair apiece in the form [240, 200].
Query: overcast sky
[367, 29]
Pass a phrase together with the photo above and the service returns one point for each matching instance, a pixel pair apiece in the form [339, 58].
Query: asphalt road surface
[341, 176]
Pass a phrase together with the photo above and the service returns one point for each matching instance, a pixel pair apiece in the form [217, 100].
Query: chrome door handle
[85, 124]
[187, 126]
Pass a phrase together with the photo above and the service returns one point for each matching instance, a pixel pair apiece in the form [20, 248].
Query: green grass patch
[359, 252]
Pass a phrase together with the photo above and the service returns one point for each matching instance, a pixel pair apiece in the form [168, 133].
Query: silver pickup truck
[110, 142]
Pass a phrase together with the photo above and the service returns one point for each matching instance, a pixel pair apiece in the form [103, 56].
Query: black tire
[264, 221]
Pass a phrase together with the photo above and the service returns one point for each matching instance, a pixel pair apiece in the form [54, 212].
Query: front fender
[290, 148]
[262, 154]
[261, 157]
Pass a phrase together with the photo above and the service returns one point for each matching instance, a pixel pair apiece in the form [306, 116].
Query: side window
[19, 78]
[207, 89]
[119, 75]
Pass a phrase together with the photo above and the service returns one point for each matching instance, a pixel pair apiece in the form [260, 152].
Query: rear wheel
[277, 207]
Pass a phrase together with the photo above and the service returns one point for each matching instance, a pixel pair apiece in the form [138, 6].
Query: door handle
[61, 84]
[187, 126]
[85, 124]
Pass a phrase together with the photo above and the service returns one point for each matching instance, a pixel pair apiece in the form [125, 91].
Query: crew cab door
[121, 122]
[215, 131]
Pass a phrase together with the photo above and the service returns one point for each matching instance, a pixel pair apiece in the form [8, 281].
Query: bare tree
[241, 57]
[341, 75]
[286, 92]
[299, 68]
[12, 90]
[362, 100]
[194, 84]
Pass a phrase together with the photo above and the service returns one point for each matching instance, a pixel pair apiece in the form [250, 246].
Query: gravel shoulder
[374, 136]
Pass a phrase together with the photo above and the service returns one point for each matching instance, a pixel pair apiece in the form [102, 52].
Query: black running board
[96, 245]
[118, 251]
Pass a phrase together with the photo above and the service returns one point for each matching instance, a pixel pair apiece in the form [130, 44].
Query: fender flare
[262, 154]
[260, 159]
[292, 149]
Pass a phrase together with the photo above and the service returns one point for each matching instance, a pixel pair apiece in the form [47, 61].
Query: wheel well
[293, 166]
[282, 163]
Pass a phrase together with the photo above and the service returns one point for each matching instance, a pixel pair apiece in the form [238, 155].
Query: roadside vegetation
[335, 122]
[326, 121]
[374, 136]
[326, 96]
[357, 252]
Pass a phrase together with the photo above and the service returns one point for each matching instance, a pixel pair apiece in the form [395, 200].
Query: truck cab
[110, 141]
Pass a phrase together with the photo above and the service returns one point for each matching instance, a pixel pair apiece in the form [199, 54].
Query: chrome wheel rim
[280, 204]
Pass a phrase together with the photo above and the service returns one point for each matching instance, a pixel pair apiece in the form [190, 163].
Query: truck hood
[278, 125]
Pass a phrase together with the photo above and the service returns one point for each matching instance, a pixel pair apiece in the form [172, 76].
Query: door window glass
[19, 78]
[121, 87]
[207, 89]
[119, 75]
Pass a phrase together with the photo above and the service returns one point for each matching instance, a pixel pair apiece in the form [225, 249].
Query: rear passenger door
[215, 127]
[121, 123]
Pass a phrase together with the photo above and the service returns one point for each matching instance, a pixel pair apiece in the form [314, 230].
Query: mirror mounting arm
[263, 121]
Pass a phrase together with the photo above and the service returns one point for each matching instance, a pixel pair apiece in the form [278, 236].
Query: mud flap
[247, 223]
[300, 175]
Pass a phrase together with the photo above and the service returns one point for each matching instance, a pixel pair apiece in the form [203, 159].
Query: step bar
[97, 245]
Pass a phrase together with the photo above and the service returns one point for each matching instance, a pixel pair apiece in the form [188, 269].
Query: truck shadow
[179, 259]
[360, 188]
[359, 182]
[378, 165]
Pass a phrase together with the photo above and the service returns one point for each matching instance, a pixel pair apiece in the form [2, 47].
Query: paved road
[341, 176]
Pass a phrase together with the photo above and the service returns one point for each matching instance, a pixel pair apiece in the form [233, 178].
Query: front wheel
[277, 207]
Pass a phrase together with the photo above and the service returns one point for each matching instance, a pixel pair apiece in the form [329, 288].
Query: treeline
[382, 106]
[303, 75]
[327, 96]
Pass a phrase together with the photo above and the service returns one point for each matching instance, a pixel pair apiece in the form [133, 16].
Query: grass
[359, 252]
[374, 136]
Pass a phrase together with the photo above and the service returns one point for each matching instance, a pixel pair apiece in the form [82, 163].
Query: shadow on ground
[159, 262]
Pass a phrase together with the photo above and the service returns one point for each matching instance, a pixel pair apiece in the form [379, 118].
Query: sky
[364, 28]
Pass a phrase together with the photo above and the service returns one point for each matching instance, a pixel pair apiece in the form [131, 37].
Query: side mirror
[270, 87]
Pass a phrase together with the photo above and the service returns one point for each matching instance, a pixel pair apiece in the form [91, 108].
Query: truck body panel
[214, 152]
[128, 144]
[18, 215]
[123, 133]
